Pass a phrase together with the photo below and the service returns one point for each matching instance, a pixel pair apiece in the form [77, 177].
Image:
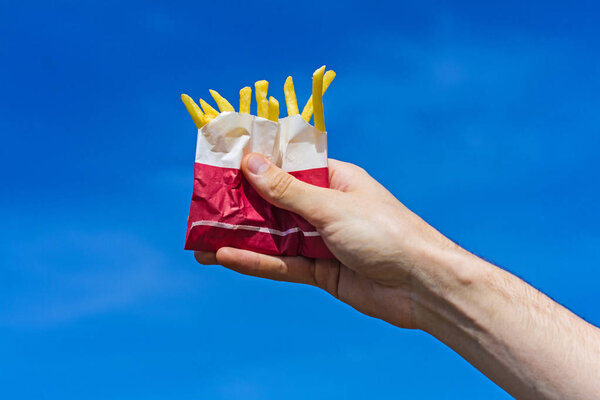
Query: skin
[392, 265]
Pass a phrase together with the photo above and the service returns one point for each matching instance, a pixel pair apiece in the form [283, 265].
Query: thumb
[282, 189]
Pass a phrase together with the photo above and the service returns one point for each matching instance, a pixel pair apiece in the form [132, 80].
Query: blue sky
[482, 118]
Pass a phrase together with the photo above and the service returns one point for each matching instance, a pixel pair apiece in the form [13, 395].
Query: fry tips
[222, 103]
[290, 96]
[266, 106]
[308, 108]
[245, 99]
[262, 105]
[194, 111]
[317, 95]
[273, 109]
[208, 109]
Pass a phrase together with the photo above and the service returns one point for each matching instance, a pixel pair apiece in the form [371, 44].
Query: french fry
[263, 108]
[209, 111]
[290, 96]
[245, 100]
[317, 94]
[194, 110]
[262, 105]
[307, 112]
[221, 101]
[273, 109]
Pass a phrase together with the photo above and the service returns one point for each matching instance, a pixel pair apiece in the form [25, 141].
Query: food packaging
[227, 212]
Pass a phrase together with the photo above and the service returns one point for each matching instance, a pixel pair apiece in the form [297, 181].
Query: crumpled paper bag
[227, 211]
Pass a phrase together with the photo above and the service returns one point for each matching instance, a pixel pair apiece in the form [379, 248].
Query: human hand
[380, 245]
[392, 265]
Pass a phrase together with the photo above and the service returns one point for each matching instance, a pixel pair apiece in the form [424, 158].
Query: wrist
[442, 280]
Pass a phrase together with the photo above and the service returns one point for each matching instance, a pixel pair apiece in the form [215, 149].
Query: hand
[392, 265]
[379, 244]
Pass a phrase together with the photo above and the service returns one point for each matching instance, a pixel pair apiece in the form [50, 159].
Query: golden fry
[194, 110]
[290, 96]
[208, 110]
[222, 102]
[317, 89]
[261, 89]
[245, 100]
[307, 112]
[327, 79]
[273, 109]
[263, 108]
[262, 105]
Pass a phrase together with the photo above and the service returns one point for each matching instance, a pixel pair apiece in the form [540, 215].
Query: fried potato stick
[290, 96]
[273, 109]
[221, 101]
[245, 99]
[194, 110]
[317, 95]
[262, 105]
[263, 108]
[208, 110]
[307, 112]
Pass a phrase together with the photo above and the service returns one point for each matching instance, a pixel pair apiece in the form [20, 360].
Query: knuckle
[279, 185]
[360, 170]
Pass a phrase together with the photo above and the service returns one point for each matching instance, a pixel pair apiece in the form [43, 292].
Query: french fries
[266, 107]
[222, 103]
[317, 95]
[290, 96]
[208, 109]
[262, 105]
[245, 99]
[273, 109]
[262, 108]
[194, 111]
[307, 112]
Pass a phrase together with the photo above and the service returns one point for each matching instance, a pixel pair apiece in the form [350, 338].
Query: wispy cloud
[76, 274]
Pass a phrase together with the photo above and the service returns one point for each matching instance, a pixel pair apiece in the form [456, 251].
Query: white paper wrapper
[227, 211]
[292, 144]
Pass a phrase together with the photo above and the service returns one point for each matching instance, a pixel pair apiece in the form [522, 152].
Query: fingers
[205, 257]
[324, 274]
[289, 269]
[285, 191]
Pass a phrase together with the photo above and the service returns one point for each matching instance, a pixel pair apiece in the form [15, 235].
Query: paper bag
[227, 211]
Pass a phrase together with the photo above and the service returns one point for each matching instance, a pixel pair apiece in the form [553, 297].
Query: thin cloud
[77, 274]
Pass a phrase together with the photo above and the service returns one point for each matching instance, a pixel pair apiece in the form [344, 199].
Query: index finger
[278, 268]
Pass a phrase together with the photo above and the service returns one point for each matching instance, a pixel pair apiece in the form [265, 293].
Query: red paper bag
[227, 211]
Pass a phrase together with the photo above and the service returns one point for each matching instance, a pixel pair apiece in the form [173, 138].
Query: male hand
[379, 243]
[392, 265]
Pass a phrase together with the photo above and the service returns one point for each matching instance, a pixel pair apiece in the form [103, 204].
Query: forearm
[392, 265]
[517, 336]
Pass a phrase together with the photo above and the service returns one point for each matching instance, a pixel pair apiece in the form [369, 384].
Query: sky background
[481, 117]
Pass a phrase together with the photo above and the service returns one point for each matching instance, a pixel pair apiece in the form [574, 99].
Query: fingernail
[257, 164]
